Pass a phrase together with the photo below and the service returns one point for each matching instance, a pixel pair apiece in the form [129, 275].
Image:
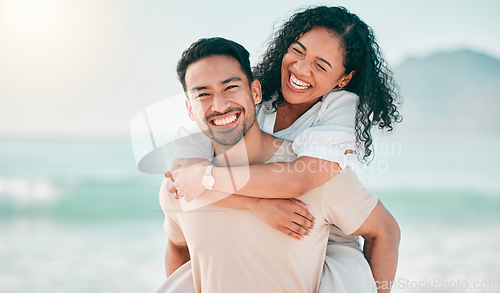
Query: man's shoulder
[284, 153]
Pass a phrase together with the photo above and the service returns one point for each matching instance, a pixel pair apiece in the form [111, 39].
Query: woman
[321, 51]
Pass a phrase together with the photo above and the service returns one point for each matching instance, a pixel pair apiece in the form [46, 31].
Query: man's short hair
[208, 47]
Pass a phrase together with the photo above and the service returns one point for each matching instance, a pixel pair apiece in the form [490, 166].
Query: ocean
[77, 216]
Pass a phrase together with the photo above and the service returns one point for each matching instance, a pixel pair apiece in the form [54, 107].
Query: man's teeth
[225, 121]
[298, 84]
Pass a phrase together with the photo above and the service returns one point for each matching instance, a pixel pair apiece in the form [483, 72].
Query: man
[233, 250]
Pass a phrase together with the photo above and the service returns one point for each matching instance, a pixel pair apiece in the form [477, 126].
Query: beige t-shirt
[235, 251]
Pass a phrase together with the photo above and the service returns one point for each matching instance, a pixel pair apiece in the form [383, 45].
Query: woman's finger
[302, 221]
[301, 203]
[168, 175]
[292, 233]
[308, 220]
[171, 186]
[289, 232]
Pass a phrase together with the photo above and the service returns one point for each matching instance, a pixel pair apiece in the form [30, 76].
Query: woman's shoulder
[339, 96]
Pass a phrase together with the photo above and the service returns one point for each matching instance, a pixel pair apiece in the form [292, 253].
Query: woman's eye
[297, 51]
[321, 67]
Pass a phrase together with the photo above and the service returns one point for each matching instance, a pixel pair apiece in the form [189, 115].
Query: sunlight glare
[31, 19]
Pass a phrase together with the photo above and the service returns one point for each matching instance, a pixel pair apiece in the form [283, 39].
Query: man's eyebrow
[230, 79]
[199, 88]
[304, 48]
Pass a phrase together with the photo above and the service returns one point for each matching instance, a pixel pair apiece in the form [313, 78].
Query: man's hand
[186, 175]
[290, 216]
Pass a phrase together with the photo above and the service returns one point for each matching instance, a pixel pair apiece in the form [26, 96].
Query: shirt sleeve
[190, 142]
[346, 202]
[171, 208]
[333, 131]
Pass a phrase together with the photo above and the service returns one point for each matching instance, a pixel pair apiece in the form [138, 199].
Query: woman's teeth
[298, 84]
[225, 121]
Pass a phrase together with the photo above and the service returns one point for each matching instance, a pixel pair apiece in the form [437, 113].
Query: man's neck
[257, 147]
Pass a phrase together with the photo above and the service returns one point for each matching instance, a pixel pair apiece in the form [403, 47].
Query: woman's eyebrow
[319, 58]
[327, 63]
[300, 44]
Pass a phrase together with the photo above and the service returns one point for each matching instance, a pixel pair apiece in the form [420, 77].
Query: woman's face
[312, 67]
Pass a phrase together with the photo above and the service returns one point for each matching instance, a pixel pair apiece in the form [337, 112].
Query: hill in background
[450, 93]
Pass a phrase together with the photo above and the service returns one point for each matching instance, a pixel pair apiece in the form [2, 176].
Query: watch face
[208, 181]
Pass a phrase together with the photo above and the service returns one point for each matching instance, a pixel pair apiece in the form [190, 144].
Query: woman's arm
[289, 216]
[272, 180]
[279, 179]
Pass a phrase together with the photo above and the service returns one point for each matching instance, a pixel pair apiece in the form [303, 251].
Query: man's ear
[190, 109]
[346, 79]
[256, 91]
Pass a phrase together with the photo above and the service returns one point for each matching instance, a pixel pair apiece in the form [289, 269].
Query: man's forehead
[213, 71]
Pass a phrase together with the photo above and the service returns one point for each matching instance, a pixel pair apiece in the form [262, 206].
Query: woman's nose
[302, 67]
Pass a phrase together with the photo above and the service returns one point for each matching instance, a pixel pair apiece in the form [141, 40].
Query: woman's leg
[181, 281]
[346, 269]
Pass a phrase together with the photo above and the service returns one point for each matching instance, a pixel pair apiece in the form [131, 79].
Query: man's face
[220, 99]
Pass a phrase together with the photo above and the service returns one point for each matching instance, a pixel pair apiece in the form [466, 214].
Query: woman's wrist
[252, 203]
[223, 180]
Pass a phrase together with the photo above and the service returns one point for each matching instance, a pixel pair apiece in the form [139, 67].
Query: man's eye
[202, 95]
[231, 87]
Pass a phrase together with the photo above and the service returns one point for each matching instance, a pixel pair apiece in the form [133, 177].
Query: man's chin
[227, 139]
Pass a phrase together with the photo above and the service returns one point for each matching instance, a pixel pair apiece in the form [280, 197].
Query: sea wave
[79, 199]
[23, 191]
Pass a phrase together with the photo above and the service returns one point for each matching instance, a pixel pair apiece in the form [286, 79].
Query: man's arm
[177, 255]
[381, 233]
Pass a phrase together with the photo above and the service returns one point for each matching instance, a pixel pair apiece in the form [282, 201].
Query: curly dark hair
[372, 82]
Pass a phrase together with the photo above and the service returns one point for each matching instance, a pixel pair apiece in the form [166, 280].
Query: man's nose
[220, 103]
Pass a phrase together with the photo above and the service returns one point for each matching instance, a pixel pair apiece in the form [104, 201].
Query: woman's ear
[256, 91]
[346, 79]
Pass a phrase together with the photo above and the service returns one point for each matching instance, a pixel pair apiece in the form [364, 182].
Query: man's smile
[225, 120]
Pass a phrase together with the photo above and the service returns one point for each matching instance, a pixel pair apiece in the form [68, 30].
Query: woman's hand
[187, 175]
[290, 216]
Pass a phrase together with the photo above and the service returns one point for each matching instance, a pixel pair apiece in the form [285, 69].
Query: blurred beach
[77, 216]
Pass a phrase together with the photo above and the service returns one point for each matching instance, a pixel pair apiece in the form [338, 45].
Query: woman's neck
[287, 114]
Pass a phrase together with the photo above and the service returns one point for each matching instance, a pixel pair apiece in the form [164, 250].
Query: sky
[84, 68]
